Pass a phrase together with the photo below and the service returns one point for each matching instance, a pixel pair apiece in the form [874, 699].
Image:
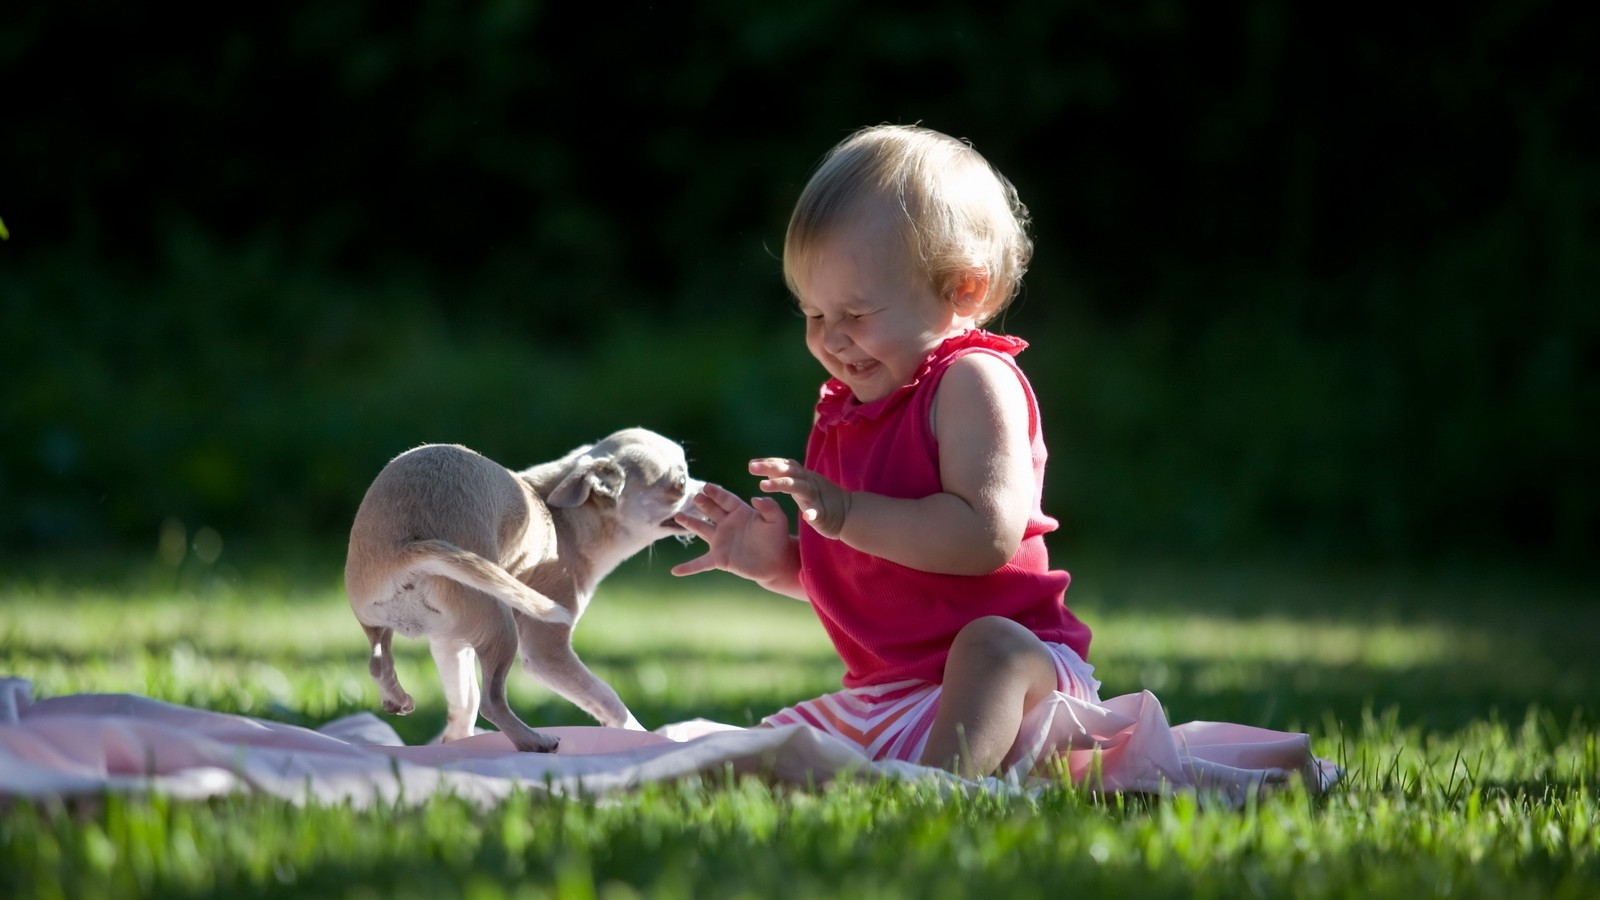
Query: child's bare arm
[975, 524]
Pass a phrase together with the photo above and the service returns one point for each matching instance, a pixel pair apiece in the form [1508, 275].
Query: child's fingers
[715, 496]
[768, 509]
[718, 504]
[696, 526]
[774, 465]
[778, 485]
[694, 566]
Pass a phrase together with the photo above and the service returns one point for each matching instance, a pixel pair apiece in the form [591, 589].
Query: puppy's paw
[455, 732]
[400, 707]
[538, 743]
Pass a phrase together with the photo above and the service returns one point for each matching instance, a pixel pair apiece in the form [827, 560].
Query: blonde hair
[961, 216]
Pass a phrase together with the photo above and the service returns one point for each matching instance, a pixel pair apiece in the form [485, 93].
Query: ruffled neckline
[837, 404]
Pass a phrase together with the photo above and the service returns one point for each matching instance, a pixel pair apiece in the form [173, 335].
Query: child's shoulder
[984, 355]
[983, 372]
[983, 390]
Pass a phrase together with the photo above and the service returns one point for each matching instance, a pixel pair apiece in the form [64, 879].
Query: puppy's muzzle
[686, 508]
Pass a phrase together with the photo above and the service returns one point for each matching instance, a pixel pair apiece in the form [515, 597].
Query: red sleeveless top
[889, 622]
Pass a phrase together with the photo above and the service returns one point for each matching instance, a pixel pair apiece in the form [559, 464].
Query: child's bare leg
[996, 672]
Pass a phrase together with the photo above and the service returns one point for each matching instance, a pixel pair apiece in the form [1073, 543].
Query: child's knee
[1001, 643]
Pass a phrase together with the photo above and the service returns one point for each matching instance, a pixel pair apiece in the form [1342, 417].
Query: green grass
[1461, 702]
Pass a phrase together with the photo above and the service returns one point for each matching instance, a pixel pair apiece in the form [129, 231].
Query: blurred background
[1313, 281]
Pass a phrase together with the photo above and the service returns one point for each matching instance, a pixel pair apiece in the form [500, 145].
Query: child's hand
[822, 504]
[751, 541]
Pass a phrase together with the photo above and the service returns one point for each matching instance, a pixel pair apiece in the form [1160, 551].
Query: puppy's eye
[682, 483]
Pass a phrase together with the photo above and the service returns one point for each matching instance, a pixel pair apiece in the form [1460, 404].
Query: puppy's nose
[692, 488]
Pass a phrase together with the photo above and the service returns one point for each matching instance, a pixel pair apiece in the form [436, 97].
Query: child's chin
[867, 394]
[867, 385]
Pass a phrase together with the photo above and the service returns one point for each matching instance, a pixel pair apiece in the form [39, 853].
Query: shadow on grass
[1503, 641]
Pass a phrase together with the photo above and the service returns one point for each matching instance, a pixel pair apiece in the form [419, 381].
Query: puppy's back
[436, 492]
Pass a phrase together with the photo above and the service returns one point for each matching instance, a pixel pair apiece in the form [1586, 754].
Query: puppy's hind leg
[381, 666]
[458, 674]
[497, 653]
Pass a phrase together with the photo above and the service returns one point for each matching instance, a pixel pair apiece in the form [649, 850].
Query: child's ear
[970, 292]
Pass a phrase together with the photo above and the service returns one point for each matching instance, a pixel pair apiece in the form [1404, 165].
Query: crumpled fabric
[84, 745]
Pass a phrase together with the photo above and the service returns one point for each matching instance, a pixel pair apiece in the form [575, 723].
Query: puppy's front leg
[548, 656]
[457, 664]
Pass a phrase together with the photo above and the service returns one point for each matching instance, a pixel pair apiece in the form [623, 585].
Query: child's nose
[834, 338]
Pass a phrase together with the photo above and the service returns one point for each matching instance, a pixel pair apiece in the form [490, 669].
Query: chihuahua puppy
[482, 561]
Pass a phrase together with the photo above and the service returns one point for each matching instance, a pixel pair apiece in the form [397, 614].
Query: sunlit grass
[1463, 708]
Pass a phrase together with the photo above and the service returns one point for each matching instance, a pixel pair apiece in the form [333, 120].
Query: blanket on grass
[83, 745]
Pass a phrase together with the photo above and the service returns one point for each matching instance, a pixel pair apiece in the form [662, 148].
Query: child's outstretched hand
[751, 541]
[822, 504]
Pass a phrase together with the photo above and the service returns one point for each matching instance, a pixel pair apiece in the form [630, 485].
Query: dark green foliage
[1322, 281]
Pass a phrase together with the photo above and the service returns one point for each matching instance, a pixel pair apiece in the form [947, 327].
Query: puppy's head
[641, 477]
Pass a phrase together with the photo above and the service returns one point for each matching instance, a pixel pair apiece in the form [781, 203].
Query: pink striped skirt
[891, 721]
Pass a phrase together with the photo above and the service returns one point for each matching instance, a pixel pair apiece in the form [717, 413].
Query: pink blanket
[85, 744]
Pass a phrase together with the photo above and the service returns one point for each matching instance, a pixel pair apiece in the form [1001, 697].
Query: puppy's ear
[599, 476]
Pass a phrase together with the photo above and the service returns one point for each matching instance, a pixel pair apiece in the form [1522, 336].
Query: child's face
[871, 315]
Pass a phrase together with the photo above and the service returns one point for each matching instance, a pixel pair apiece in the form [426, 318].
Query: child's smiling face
[872, 315]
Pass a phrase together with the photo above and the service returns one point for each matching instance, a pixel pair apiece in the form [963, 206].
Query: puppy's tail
[446, 560]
